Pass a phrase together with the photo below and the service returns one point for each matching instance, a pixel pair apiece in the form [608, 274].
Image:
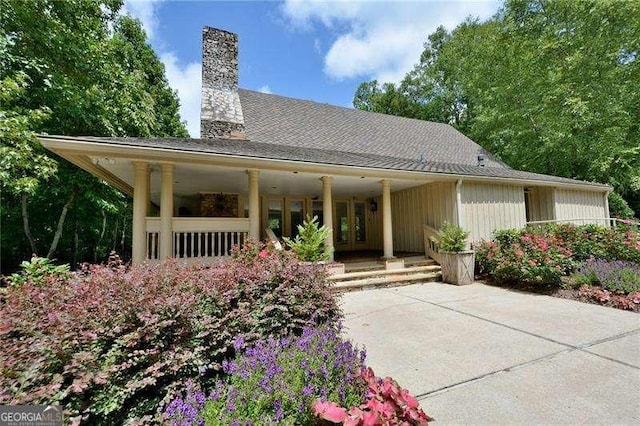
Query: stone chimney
[221, 112]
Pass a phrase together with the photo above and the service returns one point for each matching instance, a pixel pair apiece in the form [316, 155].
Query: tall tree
[74, 68]
[548, 86]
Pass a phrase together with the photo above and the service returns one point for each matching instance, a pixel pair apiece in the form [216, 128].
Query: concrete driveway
[484, 355]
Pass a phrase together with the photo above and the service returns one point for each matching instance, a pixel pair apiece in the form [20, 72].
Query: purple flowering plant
[617, 276]
[277, 381]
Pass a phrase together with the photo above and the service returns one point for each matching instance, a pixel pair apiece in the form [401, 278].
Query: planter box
[458, 268]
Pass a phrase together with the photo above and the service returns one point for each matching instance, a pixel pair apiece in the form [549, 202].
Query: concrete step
[383, 272]
[373, 266]
[419, 262]
[386, 281]
[363, 267]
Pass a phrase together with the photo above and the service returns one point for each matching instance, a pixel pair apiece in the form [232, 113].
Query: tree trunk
[63, 215]
[102, 232]
[25, 225]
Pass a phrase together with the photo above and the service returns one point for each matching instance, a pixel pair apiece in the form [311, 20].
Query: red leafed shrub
[629, 302]
[114, 344]
[386, 403]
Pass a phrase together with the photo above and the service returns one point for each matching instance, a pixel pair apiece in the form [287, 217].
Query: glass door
[296, 215]
[350, 224]
[359, 223]
[274, 216]
[342, 225]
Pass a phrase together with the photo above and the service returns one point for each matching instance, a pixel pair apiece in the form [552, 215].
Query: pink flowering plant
[385, 403]
[528, 258]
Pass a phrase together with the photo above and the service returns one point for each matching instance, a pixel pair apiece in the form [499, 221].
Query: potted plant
[457, 263]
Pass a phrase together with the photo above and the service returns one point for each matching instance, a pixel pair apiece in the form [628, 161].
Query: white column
[140, 206]
[166, 212]
[327, 212]
[254, 205]
[387, 230]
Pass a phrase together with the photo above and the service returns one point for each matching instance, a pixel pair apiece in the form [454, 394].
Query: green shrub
[309, 243]
[112, 345]
[452, 238]
[618, 206]
[38, 270]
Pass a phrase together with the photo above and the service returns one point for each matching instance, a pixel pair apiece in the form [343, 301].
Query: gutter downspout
[459, 212]
[606, 207]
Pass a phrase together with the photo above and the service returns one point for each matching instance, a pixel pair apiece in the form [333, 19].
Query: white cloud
[317, 46]
[145, 11]
[265, 89]
[186, 79]
[380, 40]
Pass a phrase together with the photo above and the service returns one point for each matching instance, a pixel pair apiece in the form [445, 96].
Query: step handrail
[431, 244]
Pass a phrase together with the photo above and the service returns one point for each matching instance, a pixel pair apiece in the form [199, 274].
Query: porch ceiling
[192, 179]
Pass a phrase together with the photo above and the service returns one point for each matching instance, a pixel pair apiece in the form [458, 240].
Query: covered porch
[199, 212]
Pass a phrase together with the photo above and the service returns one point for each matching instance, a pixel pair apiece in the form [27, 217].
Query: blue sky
[311, 50]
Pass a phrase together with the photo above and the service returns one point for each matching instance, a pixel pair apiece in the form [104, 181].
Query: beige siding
[541, 204]
[487, 207]
[573, 204]
[375, 226]
[430, 204]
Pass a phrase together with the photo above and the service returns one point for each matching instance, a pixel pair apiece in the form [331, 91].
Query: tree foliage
[548, 86]
[71, 68]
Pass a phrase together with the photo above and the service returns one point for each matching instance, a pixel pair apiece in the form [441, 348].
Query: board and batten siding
[487, 207]
[572, 204]
[431, 204]
[374, 222]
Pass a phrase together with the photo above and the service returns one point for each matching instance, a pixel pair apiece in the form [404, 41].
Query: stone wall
[221, 113]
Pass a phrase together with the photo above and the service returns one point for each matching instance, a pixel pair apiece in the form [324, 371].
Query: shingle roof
[252, 149]
[280, 120]
[281, 128]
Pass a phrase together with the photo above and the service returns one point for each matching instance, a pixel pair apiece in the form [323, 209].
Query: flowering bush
[617, 276]
[386, 403]
[526, 258]
[592, 241]
[277, 380]
[544, 255]
[113, 344]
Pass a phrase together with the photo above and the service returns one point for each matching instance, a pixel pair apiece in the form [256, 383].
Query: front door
[350, 224]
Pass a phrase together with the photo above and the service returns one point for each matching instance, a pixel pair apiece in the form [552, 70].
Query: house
[264, 161]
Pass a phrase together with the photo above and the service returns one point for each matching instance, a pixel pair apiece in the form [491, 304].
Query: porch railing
[198, 237]
[605, 221]
[431, 247]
